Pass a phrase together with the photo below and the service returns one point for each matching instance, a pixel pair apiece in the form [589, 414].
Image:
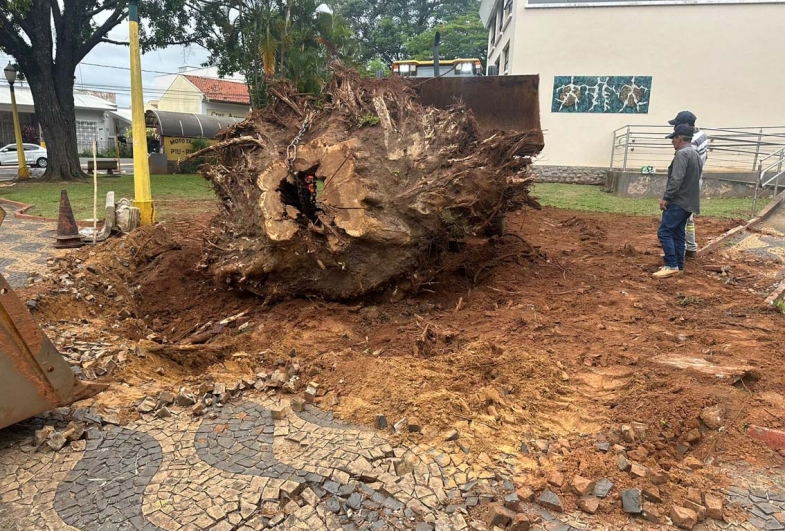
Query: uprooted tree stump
[394, 182]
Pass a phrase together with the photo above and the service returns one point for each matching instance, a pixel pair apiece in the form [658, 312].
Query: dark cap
[684, 117]
[682, 130]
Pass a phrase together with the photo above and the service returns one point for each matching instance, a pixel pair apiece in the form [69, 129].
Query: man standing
[680, 200]
[701, 144]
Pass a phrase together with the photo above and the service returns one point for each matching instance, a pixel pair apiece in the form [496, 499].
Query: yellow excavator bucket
[34, 377]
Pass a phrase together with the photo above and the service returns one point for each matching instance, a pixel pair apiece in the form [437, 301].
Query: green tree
[383, 27]
[48, 39]
[461, 37]
[261, 39]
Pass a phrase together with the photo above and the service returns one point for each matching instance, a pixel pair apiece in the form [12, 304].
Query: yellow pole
[117, 150]
[24, 171]
[143, 199]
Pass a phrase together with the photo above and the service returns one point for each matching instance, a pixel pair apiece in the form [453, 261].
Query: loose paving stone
[56, 441]
[520, 523]
[42, 435]
[602, 447]
[499, 516]
[631, 501]
[603, 487]
[147, 405]
[550, 500]
[124, 459]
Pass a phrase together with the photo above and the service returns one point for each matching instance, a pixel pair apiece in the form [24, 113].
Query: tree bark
[54, 97]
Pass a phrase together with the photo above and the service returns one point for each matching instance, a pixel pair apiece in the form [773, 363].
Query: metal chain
[291, 151]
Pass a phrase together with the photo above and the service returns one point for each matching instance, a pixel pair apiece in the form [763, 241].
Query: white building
[93, 117]
[605, 64]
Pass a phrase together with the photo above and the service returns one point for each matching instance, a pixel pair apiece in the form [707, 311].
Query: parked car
[35, 155]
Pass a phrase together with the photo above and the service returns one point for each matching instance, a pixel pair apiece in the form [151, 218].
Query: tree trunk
[54, 97]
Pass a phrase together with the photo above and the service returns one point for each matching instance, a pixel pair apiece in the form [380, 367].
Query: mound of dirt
[534, 360]
[363, 189]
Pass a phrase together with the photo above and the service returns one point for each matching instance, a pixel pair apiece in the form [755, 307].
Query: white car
[35, 155]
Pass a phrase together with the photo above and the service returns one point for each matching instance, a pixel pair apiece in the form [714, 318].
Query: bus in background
[447, 68]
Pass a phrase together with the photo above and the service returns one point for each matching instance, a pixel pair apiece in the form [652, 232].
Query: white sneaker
[666, 272]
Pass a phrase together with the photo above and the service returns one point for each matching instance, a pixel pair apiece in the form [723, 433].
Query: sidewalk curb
[765, 213]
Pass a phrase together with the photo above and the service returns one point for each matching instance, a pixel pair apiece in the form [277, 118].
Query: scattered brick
[582, 486]
[683, 517]
[588, 504]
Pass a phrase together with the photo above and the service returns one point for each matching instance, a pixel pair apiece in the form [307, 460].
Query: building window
[85, 133]
[500, 19]
[498, 64]
[493, 34]
[508, 8]
[507, 59]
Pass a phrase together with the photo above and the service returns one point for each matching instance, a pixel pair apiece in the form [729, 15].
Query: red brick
[773, 438]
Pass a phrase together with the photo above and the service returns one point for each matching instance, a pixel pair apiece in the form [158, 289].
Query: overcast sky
[118, 79]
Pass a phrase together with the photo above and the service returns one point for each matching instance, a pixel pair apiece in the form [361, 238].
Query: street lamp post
[24, 171]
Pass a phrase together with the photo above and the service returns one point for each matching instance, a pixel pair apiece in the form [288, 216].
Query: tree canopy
[266, 38]
[461, 37]
[384, 28]
[48, 39]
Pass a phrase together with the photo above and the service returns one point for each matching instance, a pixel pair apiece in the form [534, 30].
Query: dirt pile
[534, 360]
[369, 195]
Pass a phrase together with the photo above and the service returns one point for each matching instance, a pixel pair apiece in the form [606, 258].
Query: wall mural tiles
[601, 94]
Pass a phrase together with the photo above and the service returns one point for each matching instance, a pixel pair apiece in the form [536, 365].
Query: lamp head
[10, 73]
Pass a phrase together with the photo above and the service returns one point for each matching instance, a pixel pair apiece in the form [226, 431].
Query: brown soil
[566, 341]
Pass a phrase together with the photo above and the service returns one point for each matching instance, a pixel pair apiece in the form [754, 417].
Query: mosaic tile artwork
[601, 94]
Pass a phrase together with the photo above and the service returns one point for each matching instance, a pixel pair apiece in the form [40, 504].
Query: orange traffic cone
[67, 231]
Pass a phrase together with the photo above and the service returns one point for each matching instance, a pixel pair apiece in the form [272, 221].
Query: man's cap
[684, 117]
[682, 130]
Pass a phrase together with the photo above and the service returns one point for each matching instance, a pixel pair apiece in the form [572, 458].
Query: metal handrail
[762, 175]
[730, 148]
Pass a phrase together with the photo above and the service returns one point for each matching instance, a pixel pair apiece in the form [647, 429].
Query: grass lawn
[170, 192]
[587, 197]
[192, 193]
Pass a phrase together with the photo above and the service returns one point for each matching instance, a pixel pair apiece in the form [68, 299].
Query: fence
[732, 149]
[752, 154]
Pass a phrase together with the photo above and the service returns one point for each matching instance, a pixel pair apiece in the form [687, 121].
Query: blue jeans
[671, 234]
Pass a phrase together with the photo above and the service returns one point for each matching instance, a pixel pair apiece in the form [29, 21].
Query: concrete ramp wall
[635, 184]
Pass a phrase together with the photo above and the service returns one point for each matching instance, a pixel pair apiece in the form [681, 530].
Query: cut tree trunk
[397, 183]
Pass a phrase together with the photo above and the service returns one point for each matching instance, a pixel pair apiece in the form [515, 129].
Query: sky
[115, 75]
[117, 79]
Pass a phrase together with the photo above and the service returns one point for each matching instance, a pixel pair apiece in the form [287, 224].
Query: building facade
[205, 95]
[606, 64]
[93, 118]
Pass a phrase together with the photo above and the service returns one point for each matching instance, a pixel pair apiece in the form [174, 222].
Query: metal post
[757, 187]
[24, 171]
[613, 150]
[626, 148]
[143, 199]
[117, 149]
[779, 174]
[757, 149]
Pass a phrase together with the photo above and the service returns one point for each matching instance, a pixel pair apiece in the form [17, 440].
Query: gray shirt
[684, 174]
